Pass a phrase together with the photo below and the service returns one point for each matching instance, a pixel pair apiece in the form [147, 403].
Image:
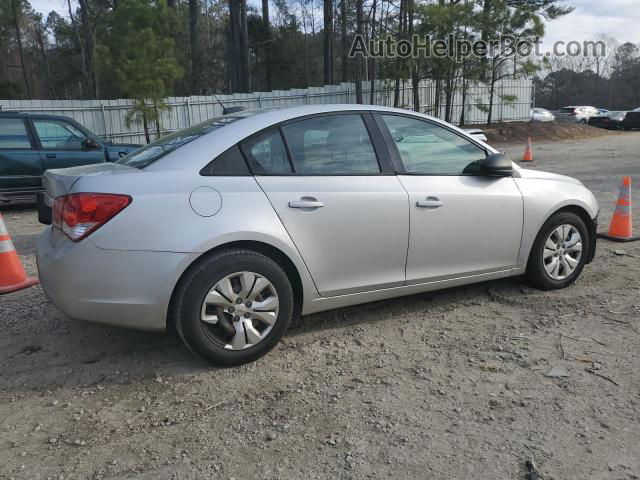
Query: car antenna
[227, 110]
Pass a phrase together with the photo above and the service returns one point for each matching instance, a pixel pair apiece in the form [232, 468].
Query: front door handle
[50, 155]
[430, 202]
[306, 202]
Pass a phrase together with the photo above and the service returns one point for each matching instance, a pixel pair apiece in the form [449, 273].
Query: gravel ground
[444, 385]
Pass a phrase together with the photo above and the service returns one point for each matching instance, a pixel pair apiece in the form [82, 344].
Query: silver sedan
[229, 229]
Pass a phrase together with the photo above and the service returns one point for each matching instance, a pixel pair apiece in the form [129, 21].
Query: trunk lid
[59, 181]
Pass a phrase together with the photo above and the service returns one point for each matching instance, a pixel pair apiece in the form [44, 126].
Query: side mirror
[497, 164]
[90, 144]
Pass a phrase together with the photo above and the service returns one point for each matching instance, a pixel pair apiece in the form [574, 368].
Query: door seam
[290, 237]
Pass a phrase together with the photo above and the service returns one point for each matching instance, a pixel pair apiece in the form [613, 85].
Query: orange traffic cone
[621, 228]
[12, 274]
[528, 152]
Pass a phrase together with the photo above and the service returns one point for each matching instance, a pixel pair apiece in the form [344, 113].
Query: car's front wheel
[233, 307]
[559, 252]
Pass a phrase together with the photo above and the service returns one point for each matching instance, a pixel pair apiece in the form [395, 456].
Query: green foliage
[139, 54]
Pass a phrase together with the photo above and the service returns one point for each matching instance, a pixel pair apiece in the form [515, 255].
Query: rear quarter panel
[160, 217]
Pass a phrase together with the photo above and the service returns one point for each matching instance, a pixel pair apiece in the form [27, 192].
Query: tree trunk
[234, 22]
[486, 11]
[16, 21]
[327, 37]
[266, 25]
[83, 57]
[87, 35]
[145, 125]
[157, 115]
[45, 59]
[196, 64]
[359, 30]
[415, 73]
[245, 80]
[372, 74]
[343, 40]
[398, 62]
[491, 92]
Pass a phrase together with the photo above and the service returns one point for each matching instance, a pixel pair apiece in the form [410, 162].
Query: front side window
[266, 153]
[429, 149]
[331, 145]
[13, 133]
[59, 135]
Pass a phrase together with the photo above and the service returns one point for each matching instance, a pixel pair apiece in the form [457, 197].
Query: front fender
[544, 197]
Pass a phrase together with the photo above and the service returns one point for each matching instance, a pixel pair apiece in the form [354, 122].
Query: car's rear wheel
[559, 252]
[234, 307]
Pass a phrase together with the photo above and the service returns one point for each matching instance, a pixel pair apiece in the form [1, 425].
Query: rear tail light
[80, 214]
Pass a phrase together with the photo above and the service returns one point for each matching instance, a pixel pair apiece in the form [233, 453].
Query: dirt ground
[541, 131]
[444, 385]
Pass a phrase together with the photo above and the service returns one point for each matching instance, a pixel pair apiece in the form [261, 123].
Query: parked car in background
[541, 115]
[30, 144]
[476, 133]
[631, 120]
[576, 114]
[610, 121]
[233, 227]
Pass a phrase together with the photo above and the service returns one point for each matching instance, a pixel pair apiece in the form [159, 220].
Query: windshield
[155, 150]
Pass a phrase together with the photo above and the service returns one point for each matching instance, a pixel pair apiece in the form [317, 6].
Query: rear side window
[13, 133]
[331, 145]
[228, 164]
[156, 150]
[566, 110]
[267, 154]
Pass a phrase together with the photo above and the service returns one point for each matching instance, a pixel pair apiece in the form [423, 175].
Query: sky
[619, 19]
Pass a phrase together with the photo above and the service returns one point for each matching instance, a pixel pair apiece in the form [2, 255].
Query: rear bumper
[123, 288]
[19, 195]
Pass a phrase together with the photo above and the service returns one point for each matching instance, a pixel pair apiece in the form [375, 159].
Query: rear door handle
[306, 203]
[430, 202]
[50, 155]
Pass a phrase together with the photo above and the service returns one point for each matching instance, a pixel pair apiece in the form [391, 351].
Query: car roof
[16, 113]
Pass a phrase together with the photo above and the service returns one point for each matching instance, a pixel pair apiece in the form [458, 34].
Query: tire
[583, 122]
[189, 310]
[536, 274]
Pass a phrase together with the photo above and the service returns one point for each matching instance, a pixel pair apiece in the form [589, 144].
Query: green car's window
[59, 135]
[331, 145]
[13, 133]
[429, 149]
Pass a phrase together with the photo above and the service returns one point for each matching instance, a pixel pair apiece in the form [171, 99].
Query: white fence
[512, 102]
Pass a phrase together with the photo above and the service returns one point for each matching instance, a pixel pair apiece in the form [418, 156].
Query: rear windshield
[566, 110]
[156, 150]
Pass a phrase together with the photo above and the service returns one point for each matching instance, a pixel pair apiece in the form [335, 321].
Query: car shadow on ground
[42, 349]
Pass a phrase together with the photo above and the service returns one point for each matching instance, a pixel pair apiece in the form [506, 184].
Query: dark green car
[32, 143]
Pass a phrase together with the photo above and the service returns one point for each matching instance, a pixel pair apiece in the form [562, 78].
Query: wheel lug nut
[236, 318]
[238, 301]
[231, 309]
[248, 304]
[247, 315]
